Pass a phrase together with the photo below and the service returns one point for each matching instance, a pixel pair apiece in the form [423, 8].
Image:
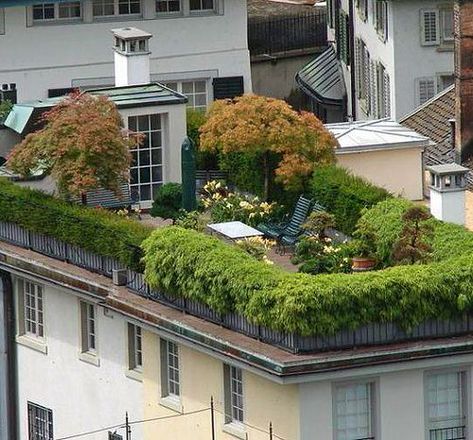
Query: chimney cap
[131, 33]
[448, 168]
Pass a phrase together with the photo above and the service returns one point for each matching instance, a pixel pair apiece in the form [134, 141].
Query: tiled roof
[432, 120]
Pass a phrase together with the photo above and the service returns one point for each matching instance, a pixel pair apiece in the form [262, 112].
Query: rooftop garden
[423, 266]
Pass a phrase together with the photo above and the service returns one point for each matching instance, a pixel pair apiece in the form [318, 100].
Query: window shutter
[426, 89]
[367, 79]
[358, 65]
[430, 32]
[373, 93]
[228, 87]
[387, 95]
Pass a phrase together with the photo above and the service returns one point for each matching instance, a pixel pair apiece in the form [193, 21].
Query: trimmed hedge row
[96, 230]
[203, 268]
[345, 195]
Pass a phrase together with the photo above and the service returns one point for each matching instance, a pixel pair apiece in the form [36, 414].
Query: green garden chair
[289, 237]
[294, 225]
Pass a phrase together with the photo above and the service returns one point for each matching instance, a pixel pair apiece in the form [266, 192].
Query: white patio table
[234, 230]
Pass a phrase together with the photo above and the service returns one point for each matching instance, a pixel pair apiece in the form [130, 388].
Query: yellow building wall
[399, 171]
[201, 376]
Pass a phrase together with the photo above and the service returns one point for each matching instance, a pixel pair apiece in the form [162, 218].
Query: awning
[10, 3]
[322, 79]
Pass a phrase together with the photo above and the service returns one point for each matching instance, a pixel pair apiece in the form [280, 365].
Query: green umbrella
[189, 202]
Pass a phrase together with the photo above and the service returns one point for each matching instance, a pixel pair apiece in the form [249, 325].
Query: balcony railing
[453, 433]
[371, 334]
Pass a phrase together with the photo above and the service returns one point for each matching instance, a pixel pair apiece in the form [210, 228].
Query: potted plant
[364, 249]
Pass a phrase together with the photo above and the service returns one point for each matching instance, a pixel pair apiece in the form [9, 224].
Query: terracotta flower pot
[362, 264]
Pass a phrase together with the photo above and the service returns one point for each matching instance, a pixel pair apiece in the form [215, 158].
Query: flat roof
[380, 134]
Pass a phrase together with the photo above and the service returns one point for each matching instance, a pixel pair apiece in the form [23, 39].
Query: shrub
[204, 159]
[191, 220]
[168, 201]
[344, 195]
[257, 247]
[5, 108]
[200, 267]
[96, 230]
[318, 222]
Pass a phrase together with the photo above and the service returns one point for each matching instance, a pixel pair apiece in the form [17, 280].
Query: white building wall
[414, 61]
[82, 396]
[45, 56]
[399, 398]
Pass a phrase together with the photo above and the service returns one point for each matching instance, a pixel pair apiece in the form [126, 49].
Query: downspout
[351, 31]
[11, 385]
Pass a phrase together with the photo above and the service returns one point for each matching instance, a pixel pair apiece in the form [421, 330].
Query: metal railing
[371, 334]
[453, 433]
[271, 35]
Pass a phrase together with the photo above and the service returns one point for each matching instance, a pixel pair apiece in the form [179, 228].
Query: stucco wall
[57, 55]
[399, 171]
[83, 397]
[201, 377]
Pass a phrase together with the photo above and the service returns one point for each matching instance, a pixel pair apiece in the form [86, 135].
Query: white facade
[84, 391]
[403, 55]
[41, 55]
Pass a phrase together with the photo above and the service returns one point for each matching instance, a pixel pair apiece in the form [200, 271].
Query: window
[168, 6]
[146, 171]
[444, 81]
[106, 8]
[114, 436]
[30, 296]
[40, 422]
[88, 328]
[170, 369]
[353, 407]
[135, 352]
[331, 11]
[233, 384]
[426, 89]
[362, 6]
[445, 400]
[344, 37]
[447, 25]
[56, 11]
[381, 19]
[201, 5]
[430, 27]
[383, 85]
[196, 92]
[364, 76]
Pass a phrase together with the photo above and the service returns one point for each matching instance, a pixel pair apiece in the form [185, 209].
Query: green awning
[322, 79]
[19, 117]
[10, 3]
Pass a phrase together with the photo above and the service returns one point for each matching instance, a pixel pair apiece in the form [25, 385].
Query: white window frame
[443, 423]
[89, 328]
[419, 81]
[448, 40]
[154, 131]
[40, 422]
[178, 86]
[371, 410]
[435, 14]
[116, 11]
[31, 309]
[170, 370]
[168, 12]
[135, 347]
[56, 12]
[212, 10]
[440, 80]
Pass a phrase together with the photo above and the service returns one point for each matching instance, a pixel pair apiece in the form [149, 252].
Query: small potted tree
[318, 222]
[364, 249]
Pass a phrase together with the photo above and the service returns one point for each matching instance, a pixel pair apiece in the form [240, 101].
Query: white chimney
[131, 56]
[447, 192]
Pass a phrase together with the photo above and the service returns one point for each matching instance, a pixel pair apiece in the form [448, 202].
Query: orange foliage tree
[257, 124]
[82, 145]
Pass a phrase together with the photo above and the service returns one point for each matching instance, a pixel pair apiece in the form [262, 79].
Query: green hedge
[344, 195]
[96, 230]
[203, 268]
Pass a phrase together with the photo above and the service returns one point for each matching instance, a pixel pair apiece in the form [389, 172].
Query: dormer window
[110, 8]
[56, 11]
[202, 5]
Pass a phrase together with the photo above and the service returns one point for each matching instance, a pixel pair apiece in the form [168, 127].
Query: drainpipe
[10, 375]
[351, 31]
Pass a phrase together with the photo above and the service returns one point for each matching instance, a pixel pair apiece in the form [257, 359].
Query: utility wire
[122, 425]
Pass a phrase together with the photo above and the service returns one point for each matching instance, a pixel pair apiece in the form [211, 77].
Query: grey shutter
[387, 95]
[426, 89]
[358, 65]
[228, 87]
[372, 91]
[430, 31]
